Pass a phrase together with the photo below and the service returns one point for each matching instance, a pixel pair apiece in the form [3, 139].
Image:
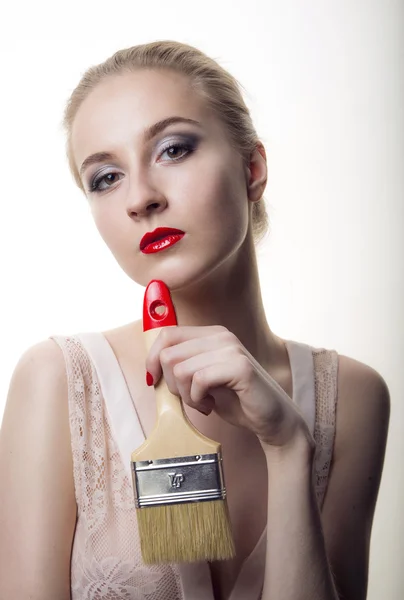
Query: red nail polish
[149, 378]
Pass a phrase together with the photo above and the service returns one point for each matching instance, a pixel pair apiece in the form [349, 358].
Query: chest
[244, 467]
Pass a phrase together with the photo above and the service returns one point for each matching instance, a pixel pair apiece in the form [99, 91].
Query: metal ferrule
[195, 478]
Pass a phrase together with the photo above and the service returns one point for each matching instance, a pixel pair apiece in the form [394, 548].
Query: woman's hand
[210, 369]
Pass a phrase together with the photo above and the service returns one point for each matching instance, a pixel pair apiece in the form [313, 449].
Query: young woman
[159, 136]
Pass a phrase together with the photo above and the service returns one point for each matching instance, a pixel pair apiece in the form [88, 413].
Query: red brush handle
[158, 308]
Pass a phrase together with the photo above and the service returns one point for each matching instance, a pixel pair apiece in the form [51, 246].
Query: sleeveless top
[106, 561]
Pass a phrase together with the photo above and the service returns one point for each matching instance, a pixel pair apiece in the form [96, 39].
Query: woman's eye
[110, 178]
[176, 150]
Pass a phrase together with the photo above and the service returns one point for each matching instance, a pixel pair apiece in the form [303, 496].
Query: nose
[144, 199]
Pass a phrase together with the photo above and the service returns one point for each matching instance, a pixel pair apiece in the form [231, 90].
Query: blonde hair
[216, 85]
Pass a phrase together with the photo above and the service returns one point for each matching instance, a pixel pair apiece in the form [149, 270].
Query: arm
[307, 554]
[37, 501]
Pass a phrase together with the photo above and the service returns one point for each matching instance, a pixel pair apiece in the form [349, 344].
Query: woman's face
[198, 186]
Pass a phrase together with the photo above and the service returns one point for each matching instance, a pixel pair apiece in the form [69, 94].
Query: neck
[231, 296]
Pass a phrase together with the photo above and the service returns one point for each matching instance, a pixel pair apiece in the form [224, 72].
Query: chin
[179, 277]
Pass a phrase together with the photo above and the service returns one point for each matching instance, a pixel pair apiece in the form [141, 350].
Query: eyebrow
[148, 134]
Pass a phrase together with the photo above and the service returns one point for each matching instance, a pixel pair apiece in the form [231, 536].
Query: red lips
[158, 234]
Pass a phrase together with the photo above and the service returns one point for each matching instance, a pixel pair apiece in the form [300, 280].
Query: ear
[257, 173]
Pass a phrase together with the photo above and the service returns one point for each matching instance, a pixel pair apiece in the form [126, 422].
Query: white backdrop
[326, 88]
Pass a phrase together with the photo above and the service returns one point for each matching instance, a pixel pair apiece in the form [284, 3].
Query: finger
[234, 374]
[171, 337]
[218, 378]
[183, 373]
[185, 351]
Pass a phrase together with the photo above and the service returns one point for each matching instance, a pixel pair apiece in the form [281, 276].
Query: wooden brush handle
[166, 402]
[173, 434]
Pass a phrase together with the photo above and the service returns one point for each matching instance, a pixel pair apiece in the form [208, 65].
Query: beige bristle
[189, 532]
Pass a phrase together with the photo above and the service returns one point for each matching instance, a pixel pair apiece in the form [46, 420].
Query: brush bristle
[189, 532]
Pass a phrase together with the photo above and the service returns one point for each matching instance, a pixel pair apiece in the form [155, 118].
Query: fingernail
[149, 378]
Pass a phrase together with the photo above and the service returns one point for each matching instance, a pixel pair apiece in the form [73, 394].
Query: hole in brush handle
[158, 310]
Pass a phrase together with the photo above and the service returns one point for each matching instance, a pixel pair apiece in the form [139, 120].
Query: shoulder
[361, 392]
[38, 385]
[43, 362]
[362, 402]
[37, 401]
[363, 405]
[355, 373]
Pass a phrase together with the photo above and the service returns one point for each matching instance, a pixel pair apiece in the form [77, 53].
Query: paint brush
[177, 473]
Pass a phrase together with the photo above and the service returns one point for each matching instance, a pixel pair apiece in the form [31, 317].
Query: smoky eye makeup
[186, 143]
[190, 139]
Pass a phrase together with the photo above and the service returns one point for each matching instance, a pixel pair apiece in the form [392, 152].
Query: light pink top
[106, 560]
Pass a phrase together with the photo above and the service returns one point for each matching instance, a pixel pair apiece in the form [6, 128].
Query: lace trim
[325, 382]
